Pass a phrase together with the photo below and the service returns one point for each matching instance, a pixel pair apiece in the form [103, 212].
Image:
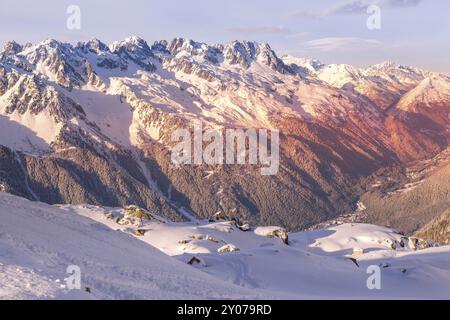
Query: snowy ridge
[434, 89]
[240, 84]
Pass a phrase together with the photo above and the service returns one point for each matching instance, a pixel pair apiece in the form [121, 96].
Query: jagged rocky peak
[243, 53]
[160, 48]
[27, 96]
[57, 55]
[92, 77]
[387, 64]
[50, 42]
[11, 48]
[51, 45]
[133, 45]
[174, 45]
[48, 49]
[94, 46]
[56, 60]
[188, 45]
[33, 96]
[246, 52]
[339, 74]
[135, 49]
[268, 57]
[396, 72]
[180, 47]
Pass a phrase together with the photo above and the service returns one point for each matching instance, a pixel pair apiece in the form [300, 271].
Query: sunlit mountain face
[92, 123]
[91, 129]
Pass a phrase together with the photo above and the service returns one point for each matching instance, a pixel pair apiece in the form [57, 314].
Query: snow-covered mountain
[91, 123]
[129, 253]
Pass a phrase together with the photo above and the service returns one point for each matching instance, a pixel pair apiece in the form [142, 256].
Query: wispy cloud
[341, 43]
[260, 30]
[297, 35]
[354, 7]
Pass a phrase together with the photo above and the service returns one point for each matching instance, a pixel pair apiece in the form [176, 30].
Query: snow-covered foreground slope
[38, 242]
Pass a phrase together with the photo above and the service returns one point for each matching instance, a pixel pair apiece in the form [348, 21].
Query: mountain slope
[438, 229]
[92, 123]
[115, 249]
[38, 243]
[409, 198]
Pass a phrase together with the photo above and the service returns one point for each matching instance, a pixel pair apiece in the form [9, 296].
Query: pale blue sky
[413, 32]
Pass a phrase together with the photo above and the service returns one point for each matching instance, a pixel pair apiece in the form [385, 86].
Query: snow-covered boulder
[358, 252]
[245, 227]
[421, 244]
[136, 212]
[411, 243]
[273, 232]
[205, 237]
[135, 216]
[228, 248]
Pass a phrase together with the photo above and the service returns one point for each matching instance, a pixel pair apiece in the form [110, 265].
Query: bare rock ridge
[91, 123]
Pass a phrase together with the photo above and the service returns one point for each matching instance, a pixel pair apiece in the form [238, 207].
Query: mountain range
[91, 124]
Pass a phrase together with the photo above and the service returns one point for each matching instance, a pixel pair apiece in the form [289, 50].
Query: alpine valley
[91, 124]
